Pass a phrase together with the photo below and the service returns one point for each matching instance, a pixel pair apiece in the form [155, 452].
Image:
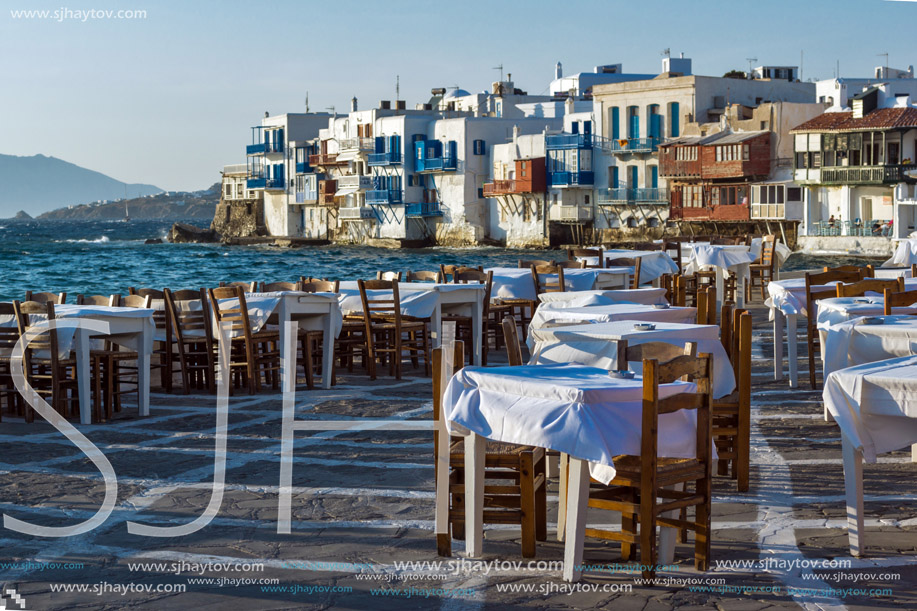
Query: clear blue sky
[170, 98]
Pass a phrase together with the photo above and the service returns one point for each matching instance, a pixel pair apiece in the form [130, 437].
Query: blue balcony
[255, 183]
[436, 164]
[381, 197]
[627, 146]
[568, 141]
[571, 179]
[624, 195]
[275, 183]
[303, 167]
[390, 158]
[256, 149]
[422, 210]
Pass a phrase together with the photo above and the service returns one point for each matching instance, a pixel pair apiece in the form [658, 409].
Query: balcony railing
[625, 195]
[568, 141]
[238, 168]
[872, 175]
[255, 183]
[356, 214]
[570, 214]
[381, 197]
[264, 147]
[423, 209]
[306, 197]
[499, 187]
[626, 146]
[324, 159]
[390, 158]
[275, 183]
[436, 164]
[360, 183]
[569, 179]
[358, 144]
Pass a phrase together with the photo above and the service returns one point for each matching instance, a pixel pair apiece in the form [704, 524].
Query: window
[480, 193]
[479, 147]
[586, 200]
[801, 161]
[228, 190]
[745, 152]
[719, 153]
[794, 194]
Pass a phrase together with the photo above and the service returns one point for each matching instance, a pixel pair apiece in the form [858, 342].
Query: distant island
[169, 206]
[40, 183]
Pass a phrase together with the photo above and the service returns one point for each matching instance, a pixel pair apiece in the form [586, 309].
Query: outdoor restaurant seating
[861, 287]
[732, 413]
[387, 334]
[762, 272]
[189, 316]
[812, 295]
[896, 299]
[45, 297]
[628, 262]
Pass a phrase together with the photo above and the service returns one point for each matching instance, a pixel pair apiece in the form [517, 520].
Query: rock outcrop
[183, 233]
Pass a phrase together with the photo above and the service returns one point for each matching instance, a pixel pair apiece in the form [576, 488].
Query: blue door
[673, 119]
[633, 129]
[615, 123]
[632, 184]
[279, 141]
[614, 177]
[655, 126]
[654, 177]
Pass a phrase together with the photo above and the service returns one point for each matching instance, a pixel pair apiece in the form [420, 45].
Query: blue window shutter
[674, 120]
[615, 123]
[452, 149]
[480, 193]
[654, 178]
[614, 177]
[379, 146]
[410, 180]
[574, 127]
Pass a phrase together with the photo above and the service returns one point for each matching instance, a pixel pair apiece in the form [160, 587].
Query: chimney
[353, 104]
[400, 104]
[568, 105]
[385, 105]
[558, 70]
[515, 134]
[266, 114]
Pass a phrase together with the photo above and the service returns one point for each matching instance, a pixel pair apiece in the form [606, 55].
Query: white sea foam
[101, 240]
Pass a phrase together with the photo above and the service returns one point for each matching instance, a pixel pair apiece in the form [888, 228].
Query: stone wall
[239, 218]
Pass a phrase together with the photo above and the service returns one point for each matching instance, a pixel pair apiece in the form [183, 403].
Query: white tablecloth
[647, 296]
[790, 295]
[569, 408]
[854, 343]
[606, 313]
[653, 263]
[905, 254]
[781, 250]
[725, 257]
[841, 309]
[515, 283]
[418, 299]
[875, 404]
[596, 345]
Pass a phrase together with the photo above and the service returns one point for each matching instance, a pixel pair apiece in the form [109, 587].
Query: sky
[169, 98]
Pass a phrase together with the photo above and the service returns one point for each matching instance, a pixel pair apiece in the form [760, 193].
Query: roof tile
[881, 118]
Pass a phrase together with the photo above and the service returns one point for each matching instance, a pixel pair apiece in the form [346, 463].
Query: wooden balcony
[325, 159]
[500, 187]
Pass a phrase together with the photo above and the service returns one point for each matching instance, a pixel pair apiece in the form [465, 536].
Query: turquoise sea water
[93, 257]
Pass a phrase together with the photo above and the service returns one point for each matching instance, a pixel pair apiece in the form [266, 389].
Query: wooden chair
[673, 249]
[628, 262]
[727, 241]
[162, 338]
[646, 246]
[97, 300]
[762, 272]
[252, 354]
[387, 333]
[446, 271]
[596, 253]
[870, 285]
[520, 494]
[815, 291]
[525, 263]
[899, 299]
[732, 413]
[55, 298]
[706, 306]
[865, 272]
[388, 276]
[9, 336]
[319, 286]
[50, 375]
[191, 328]
[247, 287]
[548, 279]
[272, 287]
[312, 342]
[641, 480]
[570, 264]
[679, 294]
[423, 276]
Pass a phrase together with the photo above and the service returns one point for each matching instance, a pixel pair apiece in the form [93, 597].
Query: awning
[345, 191]
[348, 155]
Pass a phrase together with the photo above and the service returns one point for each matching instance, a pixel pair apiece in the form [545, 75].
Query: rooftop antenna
[667, 52]
[751, 61]
[886, 62]
[500, 68]
[307, 101]
[331, 110]
[397, 87]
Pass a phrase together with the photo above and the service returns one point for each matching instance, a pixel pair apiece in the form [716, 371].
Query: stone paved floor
[363, 501]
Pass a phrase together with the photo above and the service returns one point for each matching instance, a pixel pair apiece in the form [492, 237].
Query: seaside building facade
[859, 167]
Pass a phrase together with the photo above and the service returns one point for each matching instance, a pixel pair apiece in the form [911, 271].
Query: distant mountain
[174, 206]
[38, 184]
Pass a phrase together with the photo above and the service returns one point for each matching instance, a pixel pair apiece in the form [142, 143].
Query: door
[654, 177]
[615, 123]
[613, 172]
[634, 172]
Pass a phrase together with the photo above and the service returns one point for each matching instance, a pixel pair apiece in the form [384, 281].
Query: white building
[836, 92]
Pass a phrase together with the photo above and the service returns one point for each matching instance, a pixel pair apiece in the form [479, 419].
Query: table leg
[741, 278]
[667, 535]
[791, 349]
[283, 316]
[577, 501]
[720, 287]
[778, 343]
[436, 328]
[144, 361]
[83, 378]
[475, 446]
[853, 486]
[328, 351]
[477, 327]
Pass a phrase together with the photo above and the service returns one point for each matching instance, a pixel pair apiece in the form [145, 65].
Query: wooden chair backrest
[384, 307]
[862, 271]
[9, 334]
[160, 317]
[247, 287]
[396, 276]
[134, 301]
[546, 284]
[188, 322]
[673, 249]
[679, 291]
[647, 246]
[98, 300]
[706, 306]
[44, 340]
[55, 298]
[423, 276]
[628, 262]
[724, 241]
[151, 293]
[525, 263]
[768, 247]
[727, 311]
[858, 289]
[899, 299]
[446, 271]
[270, 287]
[660, 351]
[573, 253]
[236, 315]
[571, 264]
[320, 286]
[511, 339]
[466, 275]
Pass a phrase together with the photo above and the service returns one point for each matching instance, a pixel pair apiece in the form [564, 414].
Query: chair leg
[527, 502]
[541, 500]
[628, 525]
[648, 531]
[811, 351]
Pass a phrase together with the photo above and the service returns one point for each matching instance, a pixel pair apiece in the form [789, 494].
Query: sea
[106, 257]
